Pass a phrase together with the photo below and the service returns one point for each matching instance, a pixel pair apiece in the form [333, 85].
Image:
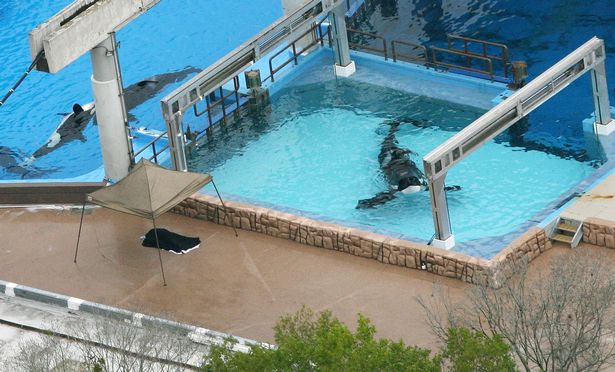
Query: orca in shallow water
[73, 124]
[401, 173]
[71, 128]
[147, 89]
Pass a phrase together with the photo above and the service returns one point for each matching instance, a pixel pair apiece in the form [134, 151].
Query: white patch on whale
[54, 139]
[411, 190]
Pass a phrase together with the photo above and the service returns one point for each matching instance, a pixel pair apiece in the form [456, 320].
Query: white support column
[604, 123]
[177, 142]
[344, 66]
[444, 236]
[116, 146]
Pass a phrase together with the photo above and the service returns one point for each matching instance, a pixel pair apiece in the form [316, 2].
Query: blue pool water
[320, 158]
[172, 35]
[539, 32]
[315, 150]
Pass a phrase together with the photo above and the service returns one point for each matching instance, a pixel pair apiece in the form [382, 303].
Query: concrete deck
[598, 202]
[235, 285]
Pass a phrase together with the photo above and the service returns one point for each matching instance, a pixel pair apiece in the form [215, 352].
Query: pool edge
[357, 242]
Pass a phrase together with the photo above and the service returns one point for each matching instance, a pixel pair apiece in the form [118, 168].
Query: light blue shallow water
[315, 149]
[172, 35]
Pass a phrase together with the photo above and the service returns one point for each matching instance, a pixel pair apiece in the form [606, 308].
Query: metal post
[344, 66]
[601, 95]
[120, 85]
[224, 207]
[439, 207]
[79, 234]
[114, 140]
[177, 142]
[159, 254]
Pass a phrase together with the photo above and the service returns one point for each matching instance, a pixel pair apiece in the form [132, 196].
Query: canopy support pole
[224, 207]
[159, 254]
[79, 234]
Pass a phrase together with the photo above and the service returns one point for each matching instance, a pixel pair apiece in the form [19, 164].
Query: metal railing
[430, 56]
[467, 67]
[318, 37]
[409, 57]
[484, 49]
[152, 144]
[357, 46]
[210, 106]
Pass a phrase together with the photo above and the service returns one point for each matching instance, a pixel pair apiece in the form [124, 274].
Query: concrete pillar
[604, 123]
[115, 143]
[344, 66]
[439, 207]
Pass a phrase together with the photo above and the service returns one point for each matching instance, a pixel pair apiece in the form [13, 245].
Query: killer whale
[147, 89]
[70, 128]
[72, 125]
[401, 173]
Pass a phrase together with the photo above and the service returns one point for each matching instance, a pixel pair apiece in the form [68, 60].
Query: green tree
[473, 351]
[318, 342]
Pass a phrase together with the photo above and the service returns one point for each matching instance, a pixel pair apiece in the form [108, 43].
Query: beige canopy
[149, 190]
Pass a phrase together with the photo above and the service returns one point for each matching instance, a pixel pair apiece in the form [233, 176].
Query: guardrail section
[485, 49]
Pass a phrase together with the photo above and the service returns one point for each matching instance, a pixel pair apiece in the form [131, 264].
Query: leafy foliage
[473, 351]
[307, 342]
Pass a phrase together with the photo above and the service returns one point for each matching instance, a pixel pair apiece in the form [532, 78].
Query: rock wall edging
[366, 244]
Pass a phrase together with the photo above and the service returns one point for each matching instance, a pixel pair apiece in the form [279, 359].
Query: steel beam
[177, 144]
[588, 57]
[80, 27]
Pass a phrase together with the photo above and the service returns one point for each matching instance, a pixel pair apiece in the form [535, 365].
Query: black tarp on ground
[170, 241]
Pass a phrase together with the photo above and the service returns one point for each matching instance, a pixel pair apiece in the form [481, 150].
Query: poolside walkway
[598, 202]
[235, 285]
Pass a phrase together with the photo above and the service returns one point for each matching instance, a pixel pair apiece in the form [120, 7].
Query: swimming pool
[560, 152]
[188, 33]
[315, 152]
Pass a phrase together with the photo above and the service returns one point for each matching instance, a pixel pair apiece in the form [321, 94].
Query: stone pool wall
[599, 232]
[365, 244]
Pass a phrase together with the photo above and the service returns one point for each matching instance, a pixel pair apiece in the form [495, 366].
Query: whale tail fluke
[452, 188]
[378, 199]
[28, 161]
[447, 188]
